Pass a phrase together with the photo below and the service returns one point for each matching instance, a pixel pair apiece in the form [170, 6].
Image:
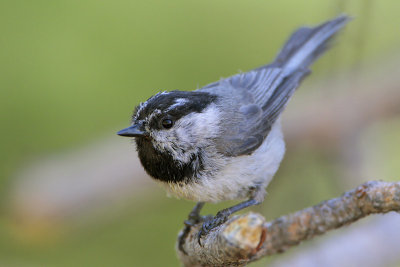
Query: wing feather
[257, 98]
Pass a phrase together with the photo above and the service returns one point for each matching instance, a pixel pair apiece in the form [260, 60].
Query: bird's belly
[238, 177]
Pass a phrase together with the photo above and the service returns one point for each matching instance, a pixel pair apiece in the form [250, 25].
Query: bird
[224, 141]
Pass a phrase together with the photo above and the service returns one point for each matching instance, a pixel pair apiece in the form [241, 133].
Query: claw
[209, 222]
[199, 235]
[212, 222]
[193, 219]
[204, 230]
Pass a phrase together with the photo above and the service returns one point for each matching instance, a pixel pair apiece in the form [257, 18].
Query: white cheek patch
[182, 134]
[161, 140]
[204, 124]
[188, 135]
[166, 141]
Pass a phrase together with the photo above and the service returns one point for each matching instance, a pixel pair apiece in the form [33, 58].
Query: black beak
[132, 131]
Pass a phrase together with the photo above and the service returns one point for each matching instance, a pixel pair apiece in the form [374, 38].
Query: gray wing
[253, 101]
[263, 95]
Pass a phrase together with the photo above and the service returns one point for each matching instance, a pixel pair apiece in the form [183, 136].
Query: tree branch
[246, 238]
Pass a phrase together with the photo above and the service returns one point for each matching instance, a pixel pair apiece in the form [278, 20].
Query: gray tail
[307, 44]
[300, 51]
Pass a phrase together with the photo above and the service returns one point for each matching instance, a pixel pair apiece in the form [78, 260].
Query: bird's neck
[163, 167]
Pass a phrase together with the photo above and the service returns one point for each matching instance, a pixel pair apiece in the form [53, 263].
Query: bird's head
[175, 123]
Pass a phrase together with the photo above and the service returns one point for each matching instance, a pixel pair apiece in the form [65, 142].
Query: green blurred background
[71, 73]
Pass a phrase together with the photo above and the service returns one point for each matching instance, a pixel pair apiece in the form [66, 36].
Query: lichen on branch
[246, 238]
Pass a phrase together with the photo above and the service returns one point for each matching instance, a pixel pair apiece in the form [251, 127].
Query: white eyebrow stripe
[140, 108]
[142, 105]
[178, 102]
[152, 115]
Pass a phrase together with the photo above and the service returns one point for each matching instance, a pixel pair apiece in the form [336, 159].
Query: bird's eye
[167, 123]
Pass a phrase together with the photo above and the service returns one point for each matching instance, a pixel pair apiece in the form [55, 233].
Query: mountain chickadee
[224, 141]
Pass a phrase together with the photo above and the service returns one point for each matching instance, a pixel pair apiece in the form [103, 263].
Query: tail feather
[300, 51]
[307, 44]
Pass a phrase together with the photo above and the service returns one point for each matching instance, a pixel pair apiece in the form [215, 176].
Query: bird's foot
[212, 222]
[193, 219]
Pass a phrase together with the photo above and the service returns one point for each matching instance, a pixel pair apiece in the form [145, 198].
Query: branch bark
[246, 238]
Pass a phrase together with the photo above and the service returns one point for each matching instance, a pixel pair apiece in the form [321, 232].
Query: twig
[375, 243]
[246, 238]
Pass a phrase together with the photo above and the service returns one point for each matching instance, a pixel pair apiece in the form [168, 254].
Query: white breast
[238, 175]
